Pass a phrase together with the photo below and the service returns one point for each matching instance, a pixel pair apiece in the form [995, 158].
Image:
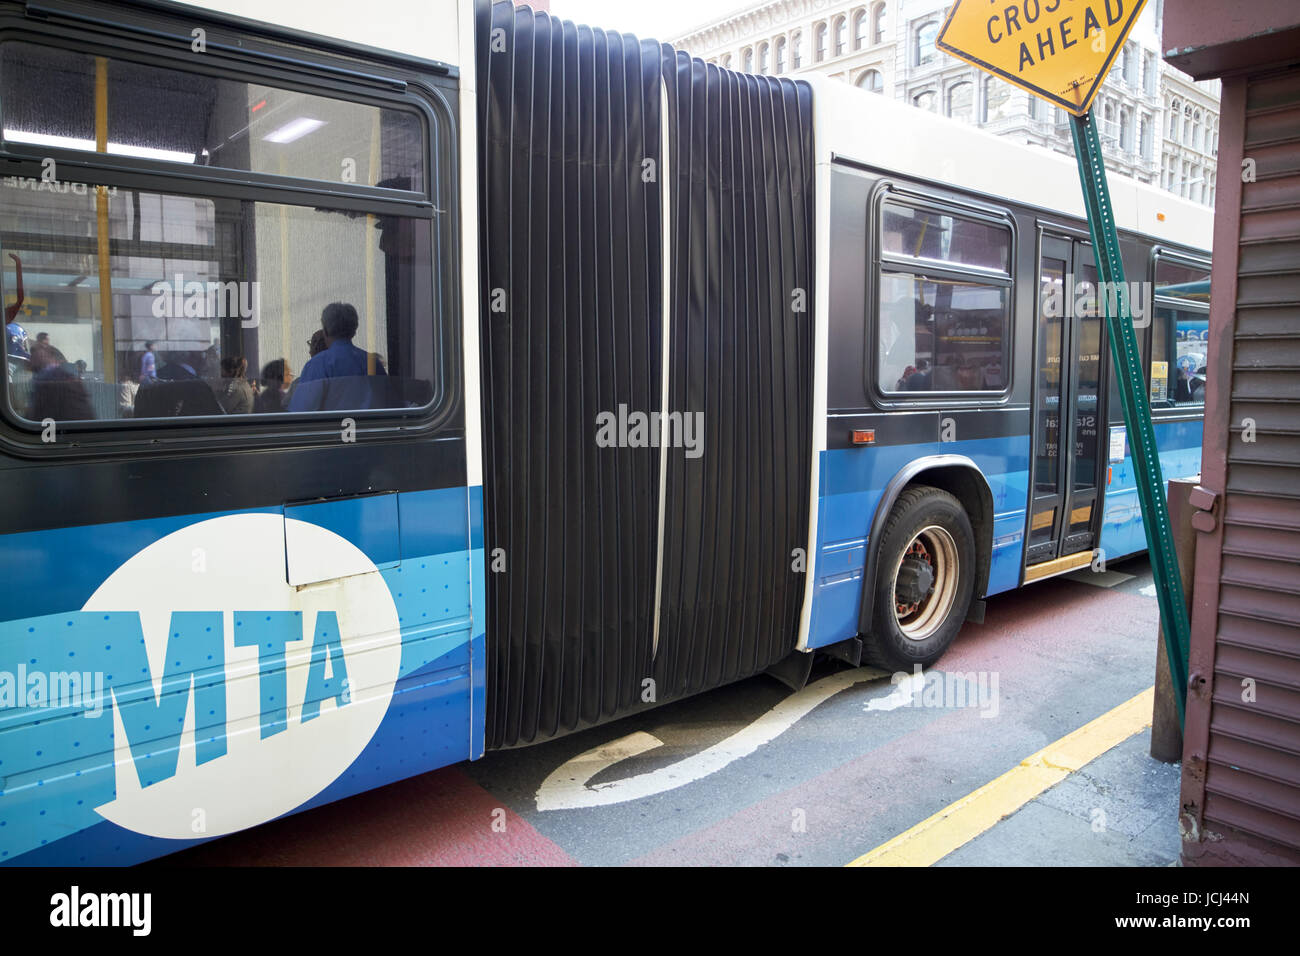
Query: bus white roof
[428, 29]
[889, 135]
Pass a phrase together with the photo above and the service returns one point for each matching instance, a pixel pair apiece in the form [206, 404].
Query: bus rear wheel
[925, 579]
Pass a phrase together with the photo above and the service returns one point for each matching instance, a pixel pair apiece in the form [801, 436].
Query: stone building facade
[1158, 125]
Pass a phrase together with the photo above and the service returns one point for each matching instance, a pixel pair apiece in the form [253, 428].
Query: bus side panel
[853, 483]
[154, 693]
[1122, 531]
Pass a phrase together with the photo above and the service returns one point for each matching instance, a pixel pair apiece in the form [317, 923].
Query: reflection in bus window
[202, 281]
[949, 331]
[1179, 334]
[194, 119]
[923, 234]
[150, 302]
[941, 336]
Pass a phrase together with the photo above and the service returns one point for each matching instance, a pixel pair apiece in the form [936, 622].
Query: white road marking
[901, 696]
[566, 788]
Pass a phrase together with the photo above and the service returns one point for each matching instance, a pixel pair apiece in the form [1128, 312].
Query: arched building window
[860, 25]
[961, 101]
[924, 100]
[871, 81]
[878, 23]
[997, 99]
[841, 36]
[820, 50]
[763, 62]
[747, 60]
[780, 55]
[924, 50]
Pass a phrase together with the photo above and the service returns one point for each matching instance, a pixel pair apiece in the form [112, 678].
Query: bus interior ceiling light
[88, 145]
[294, 129]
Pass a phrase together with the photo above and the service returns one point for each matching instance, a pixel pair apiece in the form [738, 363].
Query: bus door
[1065, 504]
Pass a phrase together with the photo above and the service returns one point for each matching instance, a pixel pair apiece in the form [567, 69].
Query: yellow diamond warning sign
[1060, 50]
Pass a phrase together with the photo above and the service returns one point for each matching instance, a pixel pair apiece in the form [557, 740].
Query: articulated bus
[387, 386]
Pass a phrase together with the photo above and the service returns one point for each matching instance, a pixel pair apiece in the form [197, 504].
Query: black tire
[921, 633]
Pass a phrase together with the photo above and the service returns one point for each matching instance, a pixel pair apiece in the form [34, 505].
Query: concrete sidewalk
[1119, 810]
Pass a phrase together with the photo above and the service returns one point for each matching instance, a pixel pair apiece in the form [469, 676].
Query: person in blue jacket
[341, 377]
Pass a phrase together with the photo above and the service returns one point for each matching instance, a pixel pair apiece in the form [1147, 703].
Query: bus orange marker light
[1160, 217]
[865, 436]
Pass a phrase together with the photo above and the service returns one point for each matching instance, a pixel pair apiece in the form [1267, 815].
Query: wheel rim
[925, 583]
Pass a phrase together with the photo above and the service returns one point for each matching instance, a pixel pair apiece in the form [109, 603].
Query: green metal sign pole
[1137, 405]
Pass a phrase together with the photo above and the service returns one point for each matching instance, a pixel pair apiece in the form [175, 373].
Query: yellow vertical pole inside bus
[369, 240]
[284, 278]
[108, 336]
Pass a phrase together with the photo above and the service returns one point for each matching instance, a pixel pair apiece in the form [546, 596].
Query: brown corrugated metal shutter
[1250, 777]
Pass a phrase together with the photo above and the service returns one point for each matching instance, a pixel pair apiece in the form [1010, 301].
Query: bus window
[1179, 334]
[912, 233]
[944, 303]
[196, 283]
[179, 117]
[209, 297]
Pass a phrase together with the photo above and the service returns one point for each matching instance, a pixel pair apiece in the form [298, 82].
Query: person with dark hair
[316, 344]
[339, 378]
[44, 353]
[234, 394]
[179, 368]
[58, 394]
[274, 396]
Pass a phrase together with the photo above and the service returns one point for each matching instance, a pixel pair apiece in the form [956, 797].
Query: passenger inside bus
[343, 376]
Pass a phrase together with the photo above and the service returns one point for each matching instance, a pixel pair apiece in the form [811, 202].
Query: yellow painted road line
[959, 823]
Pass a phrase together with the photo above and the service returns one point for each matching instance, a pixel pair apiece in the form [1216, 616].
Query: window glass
[1179, 334]
[1087, 399]
[165, 114]
[938, 335]
[1183, 368]
[871, 81]
[206, 307]
[926, 51]
[1175, 280]
[1051, 339]
[961, 101]
[925, 234]
[997, 100]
